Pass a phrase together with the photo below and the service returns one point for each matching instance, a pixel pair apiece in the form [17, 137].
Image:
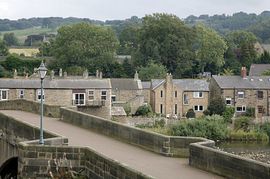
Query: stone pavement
[149, 163]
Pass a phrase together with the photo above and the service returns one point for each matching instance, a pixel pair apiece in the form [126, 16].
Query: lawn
[22, 34]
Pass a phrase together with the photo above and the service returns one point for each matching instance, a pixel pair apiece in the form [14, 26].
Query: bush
[250, 112]
[144, 110]
[206, 112]
[211, 127]
[248, 136]
[159, 123]
[217, 106]
[228, 114]
[242, 123]
[190, 114]
[127, 109]
[265, 128]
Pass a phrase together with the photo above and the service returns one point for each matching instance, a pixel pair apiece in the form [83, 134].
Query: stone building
[243, 92]
[90, 95]
[127, 91]
[174, 97]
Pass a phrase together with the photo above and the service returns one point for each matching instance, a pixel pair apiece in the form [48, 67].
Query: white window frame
[240, 93]
[21, 93]
[242, 107]
[102, 95]
[198, 94]
[91, 95]
[198, 108]
[184, 101]
[39, 95]
[228, 99]
[1, 94]
[74, 99]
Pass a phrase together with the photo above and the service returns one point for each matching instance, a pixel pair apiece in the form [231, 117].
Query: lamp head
[42, 70]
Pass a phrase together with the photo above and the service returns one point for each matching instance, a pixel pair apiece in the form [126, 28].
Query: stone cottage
[242, 92]
[174, 97]
[92, 95]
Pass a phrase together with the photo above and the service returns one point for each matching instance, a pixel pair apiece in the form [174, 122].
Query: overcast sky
[122, 9]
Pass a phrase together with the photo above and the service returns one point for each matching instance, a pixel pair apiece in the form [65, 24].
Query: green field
[22, 34]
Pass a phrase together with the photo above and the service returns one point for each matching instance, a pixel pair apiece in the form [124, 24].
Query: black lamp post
[42, 70]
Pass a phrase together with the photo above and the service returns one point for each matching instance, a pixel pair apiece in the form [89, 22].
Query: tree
[217, 105]
[46, 49]
[166, 40]
[152, 71]
[242, 44]
[79, 44]
[264, 58]
[3, 48]
[210, 47]
[10, 39]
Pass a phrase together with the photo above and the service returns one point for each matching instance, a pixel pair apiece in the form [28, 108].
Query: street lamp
[42, 70]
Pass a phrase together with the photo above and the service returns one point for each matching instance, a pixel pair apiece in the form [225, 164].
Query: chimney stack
[60, 72]
[97, 74]
[244, 72]
[85, 74]
[52, 75]
[136, 76]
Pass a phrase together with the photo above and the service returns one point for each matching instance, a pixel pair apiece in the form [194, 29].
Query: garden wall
[204, 157]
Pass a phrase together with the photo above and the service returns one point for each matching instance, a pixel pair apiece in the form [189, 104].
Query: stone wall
[30, 106]
[165, 145]
[35, 161]
[225, 164]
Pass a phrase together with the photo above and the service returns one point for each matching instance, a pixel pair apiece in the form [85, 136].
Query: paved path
[149, 163]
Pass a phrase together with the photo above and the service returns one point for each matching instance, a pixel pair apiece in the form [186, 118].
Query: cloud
[122, 9]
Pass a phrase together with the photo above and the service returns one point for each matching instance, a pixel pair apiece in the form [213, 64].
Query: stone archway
[9, 168]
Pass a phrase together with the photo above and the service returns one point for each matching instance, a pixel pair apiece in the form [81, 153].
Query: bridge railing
[30, 106]
[162, 144]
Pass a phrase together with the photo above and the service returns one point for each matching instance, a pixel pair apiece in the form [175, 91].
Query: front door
[78, 99]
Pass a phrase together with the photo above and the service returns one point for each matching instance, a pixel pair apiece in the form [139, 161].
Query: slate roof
[258, 69]
[125, 84]
[55, 84]
[146, 84]
[185, 84]
[251, 82]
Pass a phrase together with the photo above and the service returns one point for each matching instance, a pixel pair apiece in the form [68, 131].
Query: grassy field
[22, 34]
[28, 52]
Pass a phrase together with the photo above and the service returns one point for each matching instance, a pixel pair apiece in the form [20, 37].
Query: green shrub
[159, 123]
[265, 128]
[144, 110]
[242, 123]
[217, 106]
[211, 127]
[127, 109]
[228, 114]
[190, 114]
[242, 135]
[250, 112]
[206, 112]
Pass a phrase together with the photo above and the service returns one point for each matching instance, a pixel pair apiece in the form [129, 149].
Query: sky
[123, 9]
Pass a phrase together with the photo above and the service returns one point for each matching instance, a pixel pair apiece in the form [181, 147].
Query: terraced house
[89, 95]
[174, 97]
[243, 92]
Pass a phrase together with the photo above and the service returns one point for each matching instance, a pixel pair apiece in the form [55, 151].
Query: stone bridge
[94, 147]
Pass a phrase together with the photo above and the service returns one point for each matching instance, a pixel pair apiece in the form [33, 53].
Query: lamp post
[42, 70]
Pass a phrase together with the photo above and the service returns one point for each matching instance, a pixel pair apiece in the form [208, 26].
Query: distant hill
[258, 24]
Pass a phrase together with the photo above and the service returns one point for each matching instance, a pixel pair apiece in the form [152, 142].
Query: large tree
[10, 39]
[152, 71]
[210, 47]
[82, 43]
[241, 43]
[165, 39]
[3, 48]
